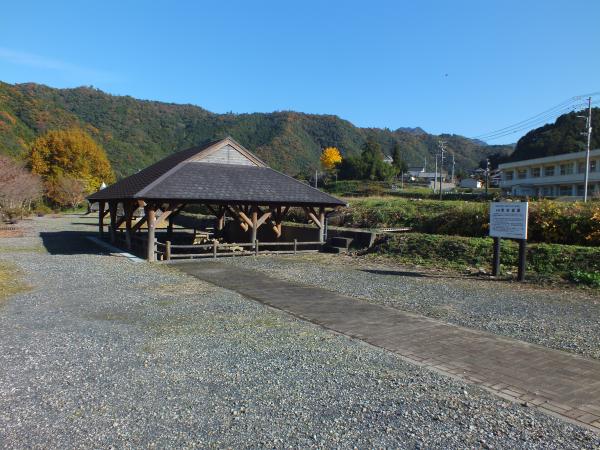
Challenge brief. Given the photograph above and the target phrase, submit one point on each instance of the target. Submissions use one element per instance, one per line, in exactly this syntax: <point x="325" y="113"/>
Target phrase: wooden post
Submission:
<point x="522" y="259"/>
<point x="112" y="208"/>
<point x="128" y="207"/>
<point x="170" y="226"/>
<point x="295" y="245"/>
<point x="151" y="221"/>
<point x="215" y="246"/>
<point x="256" y="247"/>
<point x="496" y="259"/>
<point x="101" y="218"/>
<point x="322" y="225"/>
<point x="254" y="222"/>
<point x="168" y="250"/>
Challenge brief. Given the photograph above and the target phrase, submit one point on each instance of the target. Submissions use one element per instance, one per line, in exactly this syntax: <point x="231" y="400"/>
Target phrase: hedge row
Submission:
<point x="565" y="261"/>
<point x="549" y="221"/>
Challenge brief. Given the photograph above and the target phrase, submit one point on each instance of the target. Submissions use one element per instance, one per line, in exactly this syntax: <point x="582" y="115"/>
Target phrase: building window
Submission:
<point x="522" y="174"/>
<point x="508" y="175"/>
<point x="536" y="172"/>
<point x="581" y="167"/>
<point x="565" y="190"/>
<point x="566" y="169"/>
<point x="547" y="191"/>
<point x="593" y="165"/>
<point x="549" y="171"/>
<point x="580" y="190"/>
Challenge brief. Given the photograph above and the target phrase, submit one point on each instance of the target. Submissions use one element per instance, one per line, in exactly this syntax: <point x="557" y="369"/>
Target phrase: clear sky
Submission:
<point x="465" y="67"/>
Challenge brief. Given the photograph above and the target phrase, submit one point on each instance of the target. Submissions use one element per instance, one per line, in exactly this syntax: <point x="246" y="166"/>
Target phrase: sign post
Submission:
<point x="509" y="220"/>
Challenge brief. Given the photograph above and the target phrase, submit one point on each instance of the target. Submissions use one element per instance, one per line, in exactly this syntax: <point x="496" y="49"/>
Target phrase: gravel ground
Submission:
<point x="563" y="319"/>
<point x="107" y="353"/>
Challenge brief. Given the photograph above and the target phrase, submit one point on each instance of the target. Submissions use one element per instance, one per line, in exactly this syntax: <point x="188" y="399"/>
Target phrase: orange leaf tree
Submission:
<point x="70" y="153"/>
<point x="330" y="158"/>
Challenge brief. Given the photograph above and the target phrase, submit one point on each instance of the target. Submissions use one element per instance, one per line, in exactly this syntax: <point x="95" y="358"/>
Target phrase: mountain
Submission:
<point x="136" y="133"/>
<point x="562" y="136"/>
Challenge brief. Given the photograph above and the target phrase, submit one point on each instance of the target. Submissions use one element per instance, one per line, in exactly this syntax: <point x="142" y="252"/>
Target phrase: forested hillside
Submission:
<point x="136" y="133"/>
<point x="563" y="136"/>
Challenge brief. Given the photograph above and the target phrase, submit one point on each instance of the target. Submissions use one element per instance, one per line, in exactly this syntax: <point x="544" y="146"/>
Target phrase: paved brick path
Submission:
<point x="558" y="383"/>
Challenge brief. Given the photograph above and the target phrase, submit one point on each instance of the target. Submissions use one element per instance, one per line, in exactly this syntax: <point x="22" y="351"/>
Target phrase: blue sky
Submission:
<point x="465" y="67"/>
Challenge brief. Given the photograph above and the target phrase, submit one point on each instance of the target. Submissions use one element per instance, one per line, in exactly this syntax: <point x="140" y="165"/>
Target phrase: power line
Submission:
<point x="533" y="124"/>
<point x="570" y="104"/>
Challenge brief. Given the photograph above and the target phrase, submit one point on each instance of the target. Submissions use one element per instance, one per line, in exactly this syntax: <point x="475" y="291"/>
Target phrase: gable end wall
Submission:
<point x="227" y="155"/>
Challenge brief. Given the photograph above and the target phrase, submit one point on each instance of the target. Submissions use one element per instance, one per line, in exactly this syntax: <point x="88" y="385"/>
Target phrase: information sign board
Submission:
<point x="509" y="219"/>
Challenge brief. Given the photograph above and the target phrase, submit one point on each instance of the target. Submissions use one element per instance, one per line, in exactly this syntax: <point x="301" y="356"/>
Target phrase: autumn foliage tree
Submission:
<point x="19" y="188"/>
<point x="67" y="191"/>
<point x="71" y="154"/>
<point x="330" y="158"/>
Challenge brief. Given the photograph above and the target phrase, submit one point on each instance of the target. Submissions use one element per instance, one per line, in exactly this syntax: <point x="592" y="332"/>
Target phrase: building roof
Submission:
<point x="218" y="172"/>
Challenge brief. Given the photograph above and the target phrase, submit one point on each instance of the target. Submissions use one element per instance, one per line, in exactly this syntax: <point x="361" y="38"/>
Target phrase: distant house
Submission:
<point x="552" y="176"/>
<point x="388" y="159"/>
<point x="471" y="183"/>
<point x="425" y="176"/>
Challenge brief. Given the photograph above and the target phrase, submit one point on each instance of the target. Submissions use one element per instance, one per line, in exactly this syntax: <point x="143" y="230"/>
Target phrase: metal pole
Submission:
<point x="487" y="175"/>
<point x="435" y="175"/>
<point x="522" y="259"/>
<point x="587" y="152"/>
<point x="496" y="259"/>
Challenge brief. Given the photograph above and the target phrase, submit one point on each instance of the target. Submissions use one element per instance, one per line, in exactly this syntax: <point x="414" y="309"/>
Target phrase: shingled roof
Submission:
<point x="218" y="172"/>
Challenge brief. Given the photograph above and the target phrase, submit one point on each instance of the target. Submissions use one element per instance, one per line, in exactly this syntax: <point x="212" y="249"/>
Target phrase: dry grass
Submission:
<point x="11" y="281"/>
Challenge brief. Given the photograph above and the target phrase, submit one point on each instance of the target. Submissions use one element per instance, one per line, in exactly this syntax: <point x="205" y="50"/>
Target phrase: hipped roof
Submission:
<point x="189" y="176"/>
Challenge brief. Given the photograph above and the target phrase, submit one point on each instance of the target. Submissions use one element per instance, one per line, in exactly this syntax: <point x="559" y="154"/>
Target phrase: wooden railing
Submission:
<point x="168" y="251"/>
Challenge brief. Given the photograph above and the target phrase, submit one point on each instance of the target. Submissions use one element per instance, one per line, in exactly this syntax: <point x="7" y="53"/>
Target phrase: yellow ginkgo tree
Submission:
<point x="330" y="158"/>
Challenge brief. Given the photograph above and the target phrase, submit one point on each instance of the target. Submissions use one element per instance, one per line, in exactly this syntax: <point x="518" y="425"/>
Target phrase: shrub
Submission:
<point x="454" y="251"/>
<point x="587" y="278"/>
<point x="549" y="221"/>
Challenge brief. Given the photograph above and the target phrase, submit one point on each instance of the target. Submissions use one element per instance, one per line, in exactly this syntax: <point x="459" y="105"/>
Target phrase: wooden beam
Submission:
<point x="164" y="216"/>
<point x="242" y="215"/>
<point x="313" y="216"/>
<point x="139" y="224"/>
<point x="263" y="218"/>
<point x="235" y="214"/>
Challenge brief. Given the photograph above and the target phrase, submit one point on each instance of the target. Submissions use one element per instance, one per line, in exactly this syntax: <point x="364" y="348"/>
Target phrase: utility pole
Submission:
<point x="588" y="131"/>
<point x="435" y="174"/>
<point x="316" y="177"/>
<point x="453" y="163"/>
<point x="442" y="148"/>
<point x="487" y="175"/>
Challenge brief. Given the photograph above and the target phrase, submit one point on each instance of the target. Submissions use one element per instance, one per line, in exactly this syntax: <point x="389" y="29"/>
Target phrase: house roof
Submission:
<point x="218" y="172"/>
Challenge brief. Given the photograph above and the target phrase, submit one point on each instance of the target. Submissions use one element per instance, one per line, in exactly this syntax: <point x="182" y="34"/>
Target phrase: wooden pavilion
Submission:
<point x="223" y="176"/>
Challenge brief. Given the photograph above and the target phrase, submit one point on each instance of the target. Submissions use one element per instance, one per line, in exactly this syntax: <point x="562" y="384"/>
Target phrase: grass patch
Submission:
<point x="22" y="249"/>
<point x="11" y="281"/>
<point x="577" y="264"/>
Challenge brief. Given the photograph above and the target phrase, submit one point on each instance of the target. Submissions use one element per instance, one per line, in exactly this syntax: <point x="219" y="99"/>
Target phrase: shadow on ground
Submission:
<point x="400" y="273"/>
<point x="70" y="243"/>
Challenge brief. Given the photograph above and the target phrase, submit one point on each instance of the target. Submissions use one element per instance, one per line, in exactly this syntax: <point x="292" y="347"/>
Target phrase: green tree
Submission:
<point x="399" y="163"/>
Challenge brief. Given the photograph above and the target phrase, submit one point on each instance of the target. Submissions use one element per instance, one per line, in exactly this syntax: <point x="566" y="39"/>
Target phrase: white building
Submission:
<point x="471" y="183"/>
<point x="552" y="176"/>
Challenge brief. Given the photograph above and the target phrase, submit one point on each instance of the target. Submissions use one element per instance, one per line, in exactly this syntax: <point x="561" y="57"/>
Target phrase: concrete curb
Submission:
<point x="114" y="251"/>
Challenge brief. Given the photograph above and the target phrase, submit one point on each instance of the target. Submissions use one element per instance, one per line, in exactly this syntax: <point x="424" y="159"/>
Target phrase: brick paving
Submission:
<point x="558" y="383"/>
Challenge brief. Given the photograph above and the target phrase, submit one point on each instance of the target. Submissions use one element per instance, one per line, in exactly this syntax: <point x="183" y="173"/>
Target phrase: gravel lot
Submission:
<point x="104" y="352"/>
<point x="563" y="319"/>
